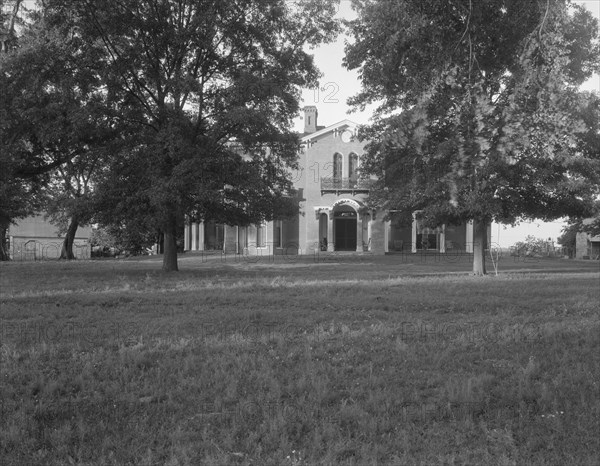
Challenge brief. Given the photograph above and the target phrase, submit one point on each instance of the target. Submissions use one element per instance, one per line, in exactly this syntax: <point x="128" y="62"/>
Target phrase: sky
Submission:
<point x="338" y="84"/>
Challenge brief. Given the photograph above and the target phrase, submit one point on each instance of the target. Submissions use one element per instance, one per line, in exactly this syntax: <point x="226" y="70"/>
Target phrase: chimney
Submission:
<point x="310" y="119"/>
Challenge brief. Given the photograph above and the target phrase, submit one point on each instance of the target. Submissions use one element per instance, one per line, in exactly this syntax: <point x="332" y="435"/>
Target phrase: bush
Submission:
<point x="533" y="247"/>
<point x="112" y="241"/>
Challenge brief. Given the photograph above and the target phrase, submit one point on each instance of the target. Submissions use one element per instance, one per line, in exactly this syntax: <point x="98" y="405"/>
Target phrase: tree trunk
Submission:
<point x="479" y="246"/>
<point x="170" y="247"/>
<point x="4" y="254"/>
<point x="67" y="247"/>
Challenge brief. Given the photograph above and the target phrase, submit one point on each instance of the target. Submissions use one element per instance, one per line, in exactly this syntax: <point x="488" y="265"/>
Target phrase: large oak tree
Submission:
<point x="209" y="90"/>
<point x="479" y="113"/>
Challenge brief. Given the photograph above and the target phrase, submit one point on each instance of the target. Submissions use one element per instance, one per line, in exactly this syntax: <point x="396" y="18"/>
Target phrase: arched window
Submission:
<point x="353" y="167"/>
<point x="337" y="166"/>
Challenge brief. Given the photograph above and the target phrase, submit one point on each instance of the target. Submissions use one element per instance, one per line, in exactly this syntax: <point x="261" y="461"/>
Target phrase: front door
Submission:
<point x="345" y="234"/>
<point x="427" y="241"/>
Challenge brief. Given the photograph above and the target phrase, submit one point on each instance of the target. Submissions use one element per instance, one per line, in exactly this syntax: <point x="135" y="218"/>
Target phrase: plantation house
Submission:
<point x="333" y="215"/>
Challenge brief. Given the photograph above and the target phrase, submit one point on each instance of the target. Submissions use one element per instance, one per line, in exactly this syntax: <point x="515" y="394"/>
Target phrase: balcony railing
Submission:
<point x="345" y="184"/>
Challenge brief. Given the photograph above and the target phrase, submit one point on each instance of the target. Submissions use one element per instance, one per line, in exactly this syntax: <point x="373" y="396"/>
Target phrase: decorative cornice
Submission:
<point x="335" y="128"/>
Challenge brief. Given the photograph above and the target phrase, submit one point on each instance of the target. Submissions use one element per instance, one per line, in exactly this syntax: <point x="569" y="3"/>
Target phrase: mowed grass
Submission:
<point x="344" y="360"/>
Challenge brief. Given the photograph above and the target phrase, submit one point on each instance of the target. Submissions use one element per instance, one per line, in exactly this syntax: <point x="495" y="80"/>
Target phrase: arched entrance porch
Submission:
<point x="343" y="226"/>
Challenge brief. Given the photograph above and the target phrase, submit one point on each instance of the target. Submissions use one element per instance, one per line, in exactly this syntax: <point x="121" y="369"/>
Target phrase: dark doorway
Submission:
<point x="323" y="240"/>
<point x="427" y="241"/>
<point x="214" y="235"/>
<point x="345" y="233"/>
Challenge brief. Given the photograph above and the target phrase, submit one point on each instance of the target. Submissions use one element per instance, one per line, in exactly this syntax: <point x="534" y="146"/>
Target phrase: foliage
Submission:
<point x="592" y="227"/>
<point x="588" y="144"/>
<point x="479" y="115"/>
<point x="129" y="240"/>
<point x="568" y="237"/>
<point x="532" y="246"/>
<point x="101" y="239"/>
<point x="18" y="197"/>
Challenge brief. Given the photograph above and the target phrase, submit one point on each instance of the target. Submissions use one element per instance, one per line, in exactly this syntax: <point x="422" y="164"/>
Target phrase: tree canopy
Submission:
<point x="479" y="116"/>
<point x="55" y="115"/>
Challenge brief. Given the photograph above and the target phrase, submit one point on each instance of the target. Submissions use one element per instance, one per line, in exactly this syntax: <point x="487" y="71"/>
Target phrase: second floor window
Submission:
<point x="337" y="166"/>
<point x="352" y="166"/>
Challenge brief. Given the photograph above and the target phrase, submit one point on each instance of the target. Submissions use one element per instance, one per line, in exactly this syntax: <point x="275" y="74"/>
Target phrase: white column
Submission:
<point x="237" y="239"/>
<point x="414" y="233"/>
<point x="369" y="227"/>
<point x="201" y="236"/>
<point x="193" y="230"/>
<point x="386" y="236"/>
<point x="443" y="238"/>
<point x="469" y="237"/>
<point x="359" y="235"/>
<point x="330" y="238"/>
<point x="186" y="236"/>
<point x="268" y="226"/>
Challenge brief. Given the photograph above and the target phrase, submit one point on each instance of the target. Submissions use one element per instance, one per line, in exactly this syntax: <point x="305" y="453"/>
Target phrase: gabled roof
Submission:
<point x="328" y="129"/>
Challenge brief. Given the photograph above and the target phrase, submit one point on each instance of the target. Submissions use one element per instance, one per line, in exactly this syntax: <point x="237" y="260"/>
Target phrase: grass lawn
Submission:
<point x="330" y="360"/>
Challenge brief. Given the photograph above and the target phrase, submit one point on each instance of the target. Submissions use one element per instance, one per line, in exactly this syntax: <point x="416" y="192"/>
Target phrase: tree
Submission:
<point x="568" y="238"/>
<point x="593" y="227"/>
<point x="588" y="144"/>
<point x="479" y="113"/>
<point x="124" y="239"/>
<point x="53" y="122"/>
<point x="589" y="225"/>
<point x="532" y="246"/>
<point x="17" y="196"/>
<point x="22" y="179"/>
<point x="70" y="202"/>
<point x="209" y="89"/>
